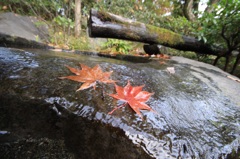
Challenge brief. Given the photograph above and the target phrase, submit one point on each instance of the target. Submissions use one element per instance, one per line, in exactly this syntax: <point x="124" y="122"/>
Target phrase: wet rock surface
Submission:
<point x="198" y="109"/>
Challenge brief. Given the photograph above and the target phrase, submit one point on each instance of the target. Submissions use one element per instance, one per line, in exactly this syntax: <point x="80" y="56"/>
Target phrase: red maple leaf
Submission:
<point x="133" y="96"/>
<point x="89" y="76"/>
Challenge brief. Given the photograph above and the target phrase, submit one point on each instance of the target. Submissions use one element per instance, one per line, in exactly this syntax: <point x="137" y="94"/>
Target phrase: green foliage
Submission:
<point x="57" y="38"/>
<point x="146" y="12"/>
<point x="63" y="27"/>
<point x="70" y="42"/>
<point x="221" y="27"/>
<point x="45" y="9"/>
<point x="154" y="13"/>
<point x="120" y="46"/>
<point x="178" y="25"/>
<point x="64" y="21"/>
<point x="178" y="8"/>
<point x="80" y="43"/>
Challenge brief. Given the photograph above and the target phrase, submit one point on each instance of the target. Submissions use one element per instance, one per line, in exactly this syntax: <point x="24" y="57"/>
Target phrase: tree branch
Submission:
<point x="107" y="25"/>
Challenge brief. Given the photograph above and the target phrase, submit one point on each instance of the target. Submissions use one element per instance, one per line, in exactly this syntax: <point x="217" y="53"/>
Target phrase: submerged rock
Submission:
<point x="198" y="109"/>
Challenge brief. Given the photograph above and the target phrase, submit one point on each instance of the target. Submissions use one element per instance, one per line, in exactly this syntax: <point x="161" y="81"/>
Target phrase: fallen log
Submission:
<point x="107" y="25"/>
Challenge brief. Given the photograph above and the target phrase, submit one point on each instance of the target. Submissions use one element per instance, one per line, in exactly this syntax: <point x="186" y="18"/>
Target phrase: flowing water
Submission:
<point x="196" y="116"/>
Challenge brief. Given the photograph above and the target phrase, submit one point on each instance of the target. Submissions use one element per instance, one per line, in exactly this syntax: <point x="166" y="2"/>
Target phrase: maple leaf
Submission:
<point x="89" y="76"/>
<point x="133" y="96"/>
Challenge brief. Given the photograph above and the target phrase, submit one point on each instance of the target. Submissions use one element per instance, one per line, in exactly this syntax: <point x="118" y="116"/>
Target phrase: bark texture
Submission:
<point x="188" y="10"/>
<point x="77" y="17"/>
<point x="107" y="25"/>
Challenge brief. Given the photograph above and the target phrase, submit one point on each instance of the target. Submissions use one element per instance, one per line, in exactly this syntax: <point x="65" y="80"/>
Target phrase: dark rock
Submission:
<point x="154" y="49"/>
<point x="198" y="109"/>
<point x="151" y="49"/>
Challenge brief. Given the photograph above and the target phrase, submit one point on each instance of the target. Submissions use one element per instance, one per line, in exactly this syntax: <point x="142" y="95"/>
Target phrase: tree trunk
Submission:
<point x="188" y="10"/>
<point x="77" y="17"/>
<point x="236" y="62"/>
<point x="107" y="25"/>
<point x="226" y="62"/>
<point x="216" y="60"/>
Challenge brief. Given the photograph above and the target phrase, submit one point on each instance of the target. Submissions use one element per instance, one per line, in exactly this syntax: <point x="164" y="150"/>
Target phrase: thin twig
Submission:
<point x="232" y="78"/>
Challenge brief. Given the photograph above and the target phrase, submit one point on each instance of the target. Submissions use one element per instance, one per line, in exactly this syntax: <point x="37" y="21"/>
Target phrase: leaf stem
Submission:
<point x="122" y="105"/>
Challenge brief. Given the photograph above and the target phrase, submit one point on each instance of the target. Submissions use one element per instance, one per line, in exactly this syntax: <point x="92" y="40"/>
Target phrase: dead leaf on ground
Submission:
<point x="89" y="76"/>
<point x="133" y="96"/>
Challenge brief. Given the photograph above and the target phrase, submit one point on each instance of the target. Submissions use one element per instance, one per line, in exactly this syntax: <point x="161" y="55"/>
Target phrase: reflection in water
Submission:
<point x="193" y="119"/>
